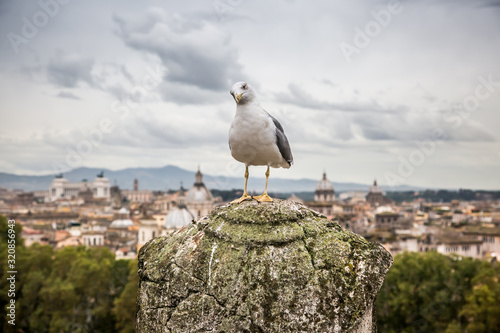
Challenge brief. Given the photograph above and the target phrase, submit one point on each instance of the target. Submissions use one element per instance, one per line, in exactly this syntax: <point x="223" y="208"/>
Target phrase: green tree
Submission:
<point x="69" y="290"/>
<point x="124" y="308"/>
<point x="89" y="277"/>
<point x="35" y="267"/>
<point x="482" y="310"/>
<point x="74" y="289"/>
<point x="120" y="275"/>
<point x="424" y="292"/>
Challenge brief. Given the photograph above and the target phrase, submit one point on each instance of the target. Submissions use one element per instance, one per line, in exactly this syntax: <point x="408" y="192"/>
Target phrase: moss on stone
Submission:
<point x="272" y="267"/>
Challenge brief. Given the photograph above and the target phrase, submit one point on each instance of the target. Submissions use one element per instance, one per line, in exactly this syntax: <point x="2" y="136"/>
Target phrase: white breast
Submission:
<point x="252" y="138"/>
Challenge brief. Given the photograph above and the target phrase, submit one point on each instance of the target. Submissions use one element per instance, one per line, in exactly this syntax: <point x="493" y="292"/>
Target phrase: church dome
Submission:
<point x="324" y="184"/>
<point x="324" y="191"/>
<point x="121" y="224"/>
<point x="124" y="211"/>
<point x="179" y="217"/>
<point x="374" y="188"/>
<point x="199" y="192"/>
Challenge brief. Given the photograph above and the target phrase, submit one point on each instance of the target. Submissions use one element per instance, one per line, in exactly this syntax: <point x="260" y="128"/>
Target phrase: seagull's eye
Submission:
<point x="244" y="86"/>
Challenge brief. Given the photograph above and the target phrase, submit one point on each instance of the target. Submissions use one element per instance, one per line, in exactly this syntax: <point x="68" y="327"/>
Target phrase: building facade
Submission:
<point x="148" y="229"/>
<point x="138" y="196"/>
<point x="386" y="220"/>
<point x="61" y="188"/>
<point x="490" y="238"/>
<point x="93" y="239"/>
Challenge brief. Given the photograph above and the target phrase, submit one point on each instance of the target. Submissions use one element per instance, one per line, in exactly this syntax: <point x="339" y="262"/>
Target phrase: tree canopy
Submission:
<point x="431" y="292"/>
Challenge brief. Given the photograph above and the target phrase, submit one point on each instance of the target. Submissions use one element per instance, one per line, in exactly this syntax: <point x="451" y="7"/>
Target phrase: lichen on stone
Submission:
<point x="260" y="267"/>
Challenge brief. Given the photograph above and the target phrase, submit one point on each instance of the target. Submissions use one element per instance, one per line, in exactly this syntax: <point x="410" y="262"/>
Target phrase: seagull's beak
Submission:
<point x="237" y="97"/>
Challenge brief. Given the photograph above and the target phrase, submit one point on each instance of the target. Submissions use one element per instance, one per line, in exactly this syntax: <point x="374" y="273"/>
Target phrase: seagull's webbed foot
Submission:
<point x="245" y="195"/>
<point x="263" y="198"/>
<point x="240" y="200"/>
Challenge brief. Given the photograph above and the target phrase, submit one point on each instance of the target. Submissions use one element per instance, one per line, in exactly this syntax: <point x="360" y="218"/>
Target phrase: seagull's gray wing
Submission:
<point x="282" y="141"/>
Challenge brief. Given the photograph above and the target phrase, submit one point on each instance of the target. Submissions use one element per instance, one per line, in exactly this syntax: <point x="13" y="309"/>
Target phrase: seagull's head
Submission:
<point x="242" y="93"/>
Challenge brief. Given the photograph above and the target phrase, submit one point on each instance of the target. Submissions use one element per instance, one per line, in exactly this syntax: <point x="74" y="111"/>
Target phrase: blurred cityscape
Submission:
<point x="97" y="214"/>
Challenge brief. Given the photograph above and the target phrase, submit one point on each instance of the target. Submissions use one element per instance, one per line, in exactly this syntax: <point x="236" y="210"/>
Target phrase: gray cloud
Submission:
<point x="300" y="97"/>
<point x="478" y="3"/>
<point x="426" y="95"/>
<point x="471" y="132"/>
<point x="115" y="79"/>
<point x="328" y="82"/>
<point x="195" y="53"/>
<point x="490" y="3"/>
<point x="67" y="94"/>
<point x="220" y="16"/>
<point x="189" y="94"/>
<point x="419" y="126"/>
<point x="68" y="70"/>
<point x="402" y="123"/>
<point x="177" y="130"/>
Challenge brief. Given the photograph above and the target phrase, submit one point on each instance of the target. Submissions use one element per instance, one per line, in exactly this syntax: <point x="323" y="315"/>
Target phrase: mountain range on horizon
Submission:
<point x="171" y="177"/>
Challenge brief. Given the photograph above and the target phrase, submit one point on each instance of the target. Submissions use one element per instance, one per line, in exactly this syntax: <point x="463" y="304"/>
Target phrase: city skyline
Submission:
<point x="404" y="92"/>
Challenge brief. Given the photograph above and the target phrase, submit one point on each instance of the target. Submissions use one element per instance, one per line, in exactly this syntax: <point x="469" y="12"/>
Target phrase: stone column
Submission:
<point x="260" y="267"/>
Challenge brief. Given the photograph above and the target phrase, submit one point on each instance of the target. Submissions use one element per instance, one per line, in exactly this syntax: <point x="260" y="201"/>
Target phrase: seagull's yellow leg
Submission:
<point x="265" y="197"/>
<point x="245" y="195"/>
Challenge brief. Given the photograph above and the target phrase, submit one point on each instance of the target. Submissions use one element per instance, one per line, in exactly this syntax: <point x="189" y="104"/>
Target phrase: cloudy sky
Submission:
<point x="405" y="92"/>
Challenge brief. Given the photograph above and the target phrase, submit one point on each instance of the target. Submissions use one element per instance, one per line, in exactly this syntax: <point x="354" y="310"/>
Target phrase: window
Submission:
<point x="154" y="234"/>
<point x="143" y="236"/>
<point x="94" y="242"/>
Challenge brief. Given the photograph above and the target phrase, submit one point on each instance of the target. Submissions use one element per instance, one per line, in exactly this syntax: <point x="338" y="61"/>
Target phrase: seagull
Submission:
<point x="256" y="137"/>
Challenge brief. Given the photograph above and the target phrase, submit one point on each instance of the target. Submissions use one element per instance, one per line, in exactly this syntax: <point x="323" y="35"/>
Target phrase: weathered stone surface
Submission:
<point x="260" y="267"/>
